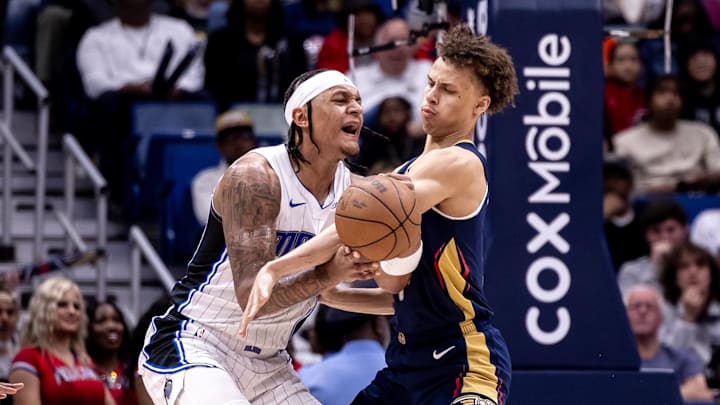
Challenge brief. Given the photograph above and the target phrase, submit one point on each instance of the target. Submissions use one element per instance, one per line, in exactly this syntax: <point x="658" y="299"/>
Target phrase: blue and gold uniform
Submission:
<point x="444" y="346"/>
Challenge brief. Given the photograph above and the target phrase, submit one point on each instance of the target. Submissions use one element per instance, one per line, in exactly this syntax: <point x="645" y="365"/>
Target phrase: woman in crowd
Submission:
<point x="691" y="284"/>
<point x="53" y="364"/>
<point x="108" y="344"/>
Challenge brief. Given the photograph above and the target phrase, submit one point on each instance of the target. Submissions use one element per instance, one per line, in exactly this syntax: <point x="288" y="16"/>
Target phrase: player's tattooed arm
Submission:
<point x="248" y="200"/>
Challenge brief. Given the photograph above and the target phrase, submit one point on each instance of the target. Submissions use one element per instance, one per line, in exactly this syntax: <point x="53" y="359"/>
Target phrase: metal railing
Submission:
<point x="11" y="64"/>
<point x="74" y="156"/>
<point x="141" y="247"/>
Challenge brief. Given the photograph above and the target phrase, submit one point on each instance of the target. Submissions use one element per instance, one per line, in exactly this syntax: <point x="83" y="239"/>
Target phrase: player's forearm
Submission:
<point x="372" y="301"/>
<point x="297" y="288"/>
<point x="314" y="252"/>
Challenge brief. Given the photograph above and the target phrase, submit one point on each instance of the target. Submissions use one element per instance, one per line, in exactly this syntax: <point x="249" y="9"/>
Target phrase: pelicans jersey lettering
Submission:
<point x="206" y="315"/>
<point x="444" y="346"/>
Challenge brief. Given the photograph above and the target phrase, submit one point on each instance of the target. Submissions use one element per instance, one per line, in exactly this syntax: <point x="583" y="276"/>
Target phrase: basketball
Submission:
<point x="377" y="217"/>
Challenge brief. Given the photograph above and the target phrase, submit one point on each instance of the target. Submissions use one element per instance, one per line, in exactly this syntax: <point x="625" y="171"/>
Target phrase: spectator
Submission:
<point x="348" y="339"/>
<point x="644" y="312"/>
<point x="334" y="51"/>
<point x="194" y="12"/>
<point x="701" y="96"/>
<point x="394" y="73"/>
<point x="691" y="283"/>
<point x="623" y="231"/>
<point x="234" y="137"/>
<point x="307" y="18"/>
<point x="668" y="154"/>
<point x="624" y="98"/>
<point x="393" y="117"/>
<point x="53" y="363"/>
<point x="9" y="340"/>
<point x="118" y="61"/>
<point x="251" y="59"/>
<point x="108" y="344"/>
<point x="664" y="224"/>
<point x="636" y="13"/>
<point x="705" y="231"/>
<point x="123" y="54"/>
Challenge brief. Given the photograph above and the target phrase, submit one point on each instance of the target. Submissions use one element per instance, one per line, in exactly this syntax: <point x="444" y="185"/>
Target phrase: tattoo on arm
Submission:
<point x="249" y="201"/>
<point x="296" y="288"/>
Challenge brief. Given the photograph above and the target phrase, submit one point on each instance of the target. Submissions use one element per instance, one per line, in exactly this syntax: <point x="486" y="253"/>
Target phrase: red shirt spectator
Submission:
<point x="61" y="383"/>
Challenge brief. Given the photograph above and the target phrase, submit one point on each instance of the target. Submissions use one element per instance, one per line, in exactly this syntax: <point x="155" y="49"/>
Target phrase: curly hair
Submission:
<point x="671" y="266"/>
<point x="39" y="330"/>
<point x="491" y="64"/>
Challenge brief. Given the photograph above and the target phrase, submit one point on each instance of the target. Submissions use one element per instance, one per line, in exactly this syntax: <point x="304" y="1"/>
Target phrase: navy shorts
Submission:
<point x="432" y="370"/>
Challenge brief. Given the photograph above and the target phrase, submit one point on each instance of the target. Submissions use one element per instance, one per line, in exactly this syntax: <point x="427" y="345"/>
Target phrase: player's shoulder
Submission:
<point x="251" y="171"/>
<point x="451" y="158"/>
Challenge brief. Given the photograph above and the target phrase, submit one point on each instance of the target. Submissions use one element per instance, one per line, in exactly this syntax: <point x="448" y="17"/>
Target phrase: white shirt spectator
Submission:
<point x="656" y="159"/>
<point x="113" y="55"/>
<point x="705" y="231"/>
<point x="203" y="185"/>
<point x="375" y="86"/>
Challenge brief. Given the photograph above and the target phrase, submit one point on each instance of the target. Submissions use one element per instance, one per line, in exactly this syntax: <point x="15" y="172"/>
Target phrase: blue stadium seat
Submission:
<point x="150" y="120"/>
<point x="181" y="161"/>
<point x="693" y="204"/>
<point x="268" y="122"/>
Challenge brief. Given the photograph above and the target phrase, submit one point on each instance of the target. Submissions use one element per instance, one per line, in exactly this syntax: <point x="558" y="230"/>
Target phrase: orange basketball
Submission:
<point x="377" y="217"/>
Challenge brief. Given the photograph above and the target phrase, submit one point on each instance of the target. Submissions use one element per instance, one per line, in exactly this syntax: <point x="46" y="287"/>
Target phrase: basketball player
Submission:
<point x="444" y="349"/>
<point x="267" y="203"/>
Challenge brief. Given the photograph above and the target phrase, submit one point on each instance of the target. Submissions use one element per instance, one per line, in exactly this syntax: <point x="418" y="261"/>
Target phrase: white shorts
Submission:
<point x="215" y="386"/>
<point x="215" y="375"/>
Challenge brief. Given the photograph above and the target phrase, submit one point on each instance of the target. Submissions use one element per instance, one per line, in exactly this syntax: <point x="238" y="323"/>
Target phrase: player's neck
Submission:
<point x="317" y="177"/>
<point x="439" y="142"/>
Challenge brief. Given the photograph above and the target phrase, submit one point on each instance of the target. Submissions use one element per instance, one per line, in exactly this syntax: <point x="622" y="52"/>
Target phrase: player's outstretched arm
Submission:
<point x="314" y="252"/>
<point x="372" y="301"/>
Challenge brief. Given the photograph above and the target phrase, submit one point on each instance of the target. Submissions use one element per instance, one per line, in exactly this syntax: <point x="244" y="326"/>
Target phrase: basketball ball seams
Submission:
<point x="366" y="220"/>
<point x="391" y="211"/>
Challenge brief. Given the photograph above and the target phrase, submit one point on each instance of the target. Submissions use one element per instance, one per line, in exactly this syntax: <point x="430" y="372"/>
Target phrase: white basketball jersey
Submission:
<point x="207" y="294"/>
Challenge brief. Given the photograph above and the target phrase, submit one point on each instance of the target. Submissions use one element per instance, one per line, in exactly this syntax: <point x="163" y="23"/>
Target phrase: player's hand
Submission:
<point x="348" y="266"/>
<point x="9" y="389"/>
<point x="259" y="296"/>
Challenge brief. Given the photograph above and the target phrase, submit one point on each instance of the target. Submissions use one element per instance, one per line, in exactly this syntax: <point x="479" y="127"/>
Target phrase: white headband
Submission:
<point x="310" y="88"/>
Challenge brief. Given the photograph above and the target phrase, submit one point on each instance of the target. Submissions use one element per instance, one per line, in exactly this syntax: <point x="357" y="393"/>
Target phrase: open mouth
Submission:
<point x="350" y="129"/>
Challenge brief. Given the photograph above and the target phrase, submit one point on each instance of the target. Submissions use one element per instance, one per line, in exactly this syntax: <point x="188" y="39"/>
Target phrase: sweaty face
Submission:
<point x="644" y="313"/>
<point x="336" y="121"/>
<point x="625" y="64"/>
<point x="451" y="97"/>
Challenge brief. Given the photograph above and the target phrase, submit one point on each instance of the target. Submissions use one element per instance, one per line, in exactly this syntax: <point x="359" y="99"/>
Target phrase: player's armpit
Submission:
<point x="372" y="301"/>
<point x="247" y="198"/>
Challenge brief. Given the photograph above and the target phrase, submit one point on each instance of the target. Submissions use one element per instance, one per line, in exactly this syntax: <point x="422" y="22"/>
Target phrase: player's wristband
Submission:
<point x="402" y="265"/>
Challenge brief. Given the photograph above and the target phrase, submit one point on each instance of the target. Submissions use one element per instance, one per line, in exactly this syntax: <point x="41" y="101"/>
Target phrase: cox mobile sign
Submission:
<point x="549" y="277"/>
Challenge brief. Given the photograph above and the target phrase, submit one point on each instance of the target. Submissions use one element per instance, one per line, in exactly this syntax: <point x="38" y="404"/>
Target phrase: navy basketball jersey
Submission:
<point x="447" y="286"/>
